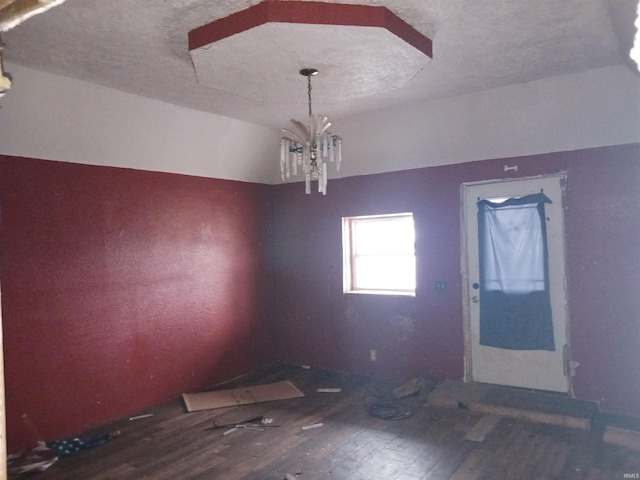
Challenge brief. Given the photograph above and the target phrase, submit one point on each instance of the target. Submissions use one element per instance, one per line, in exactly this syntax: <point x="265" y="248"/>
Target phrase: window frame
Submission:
<point x="349" y="255"/>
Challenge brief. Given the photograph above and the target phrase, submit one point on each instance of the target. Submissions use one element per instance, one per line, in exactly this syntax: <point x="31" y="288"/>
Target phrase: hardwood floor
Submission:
<point x="351" y="443"/>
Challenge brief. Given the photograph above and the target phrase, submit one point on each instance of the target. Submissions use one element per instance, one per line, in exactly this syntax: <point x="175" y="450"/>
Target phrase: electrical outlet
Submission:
<point x="373" y="355"/>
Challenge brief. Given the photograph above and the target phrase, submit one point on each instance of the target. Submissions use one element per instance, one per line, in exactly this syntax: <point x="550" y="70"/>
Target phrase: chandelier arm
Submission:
<point x="294" y="135"/>
<point x="325" y="124"/>
<point x="303" y="132"/>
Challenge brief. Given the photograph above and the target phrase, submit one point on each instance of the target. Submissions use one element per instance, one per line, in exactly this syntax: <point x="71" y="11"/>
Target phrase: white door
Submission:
<point x="542" y="369"/>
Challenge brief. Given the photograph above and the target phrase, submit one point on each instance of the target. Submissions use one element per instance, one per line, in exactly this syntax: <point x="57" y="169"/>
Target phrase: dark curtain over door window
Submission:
<point x="515" y="305"/>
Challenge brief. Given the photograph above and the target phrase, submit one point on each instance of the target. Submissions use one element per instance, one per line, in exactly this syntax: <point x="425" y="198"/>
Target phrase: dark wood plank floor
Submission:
<point x="352" y="444"/>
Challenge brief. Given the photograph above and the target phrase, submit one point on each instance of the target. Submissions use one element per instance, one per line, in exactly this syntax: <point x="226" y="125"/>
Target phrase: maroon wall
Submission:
<point x="122" y="289"/>
<point x="317" y="324"/>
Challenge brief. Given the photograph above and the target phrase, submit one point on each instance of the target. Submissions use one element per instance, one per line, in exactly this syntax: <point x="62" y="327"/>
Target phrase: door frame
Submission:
<point x="466" y="290"/>
<point x="3" y="419"/>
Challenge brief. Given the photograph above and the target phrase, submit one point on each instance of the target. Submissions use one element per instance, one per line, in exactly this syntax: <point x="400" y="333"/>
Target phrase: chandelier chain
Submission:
<point x="309" y="93"/>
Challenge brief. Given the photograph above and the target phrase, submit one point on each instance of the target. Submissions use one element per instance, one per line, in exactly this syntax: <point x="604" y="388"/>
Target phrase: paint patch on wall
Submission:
<point x="405" y="327"/>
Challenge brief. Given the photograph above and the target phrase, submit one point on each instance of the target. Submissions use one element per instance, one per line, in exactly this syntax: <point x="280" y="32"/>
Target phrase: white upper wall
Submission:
<point x="570" y="112"/>
<point x="57" y="118"/>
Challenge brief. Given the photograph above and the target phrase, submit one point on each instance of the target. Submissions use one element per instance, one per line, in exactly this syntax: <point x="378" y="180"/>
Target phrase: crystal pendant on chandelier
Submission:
<point x="309" y="147"/>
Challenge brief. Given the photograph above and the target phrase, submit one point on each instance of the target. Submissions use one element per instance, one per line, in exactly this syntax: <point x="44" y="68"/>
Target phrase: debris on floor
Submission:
<point x="621" y="430"/>
<point x="240" y="396"/>
<point x="422" y="385"/>
<point x="315" y="425"/>
<point x="34" y="461"/>
<point x="46" y="454"/>
<point x="329" y="390"/>
<point x="380" y="401"/>
<point x="65" y="448"/>
<point x="221" y="448"/>
<point x="258" y="424"/>
<point x="140" y="417"/>
<point x="388" y="409"/>
<point x="482" y="428"/>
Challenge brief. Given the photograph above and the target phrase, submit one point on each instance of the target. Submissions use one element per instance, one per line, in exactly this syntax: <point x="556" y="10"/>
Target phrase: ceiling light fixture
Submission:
<point x="309" y="147"/>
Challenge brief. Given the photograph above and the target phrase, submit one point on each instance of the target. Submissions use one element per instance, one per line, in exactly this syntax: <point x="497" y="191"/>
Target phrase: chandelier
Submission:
<point x="308" y="148"/>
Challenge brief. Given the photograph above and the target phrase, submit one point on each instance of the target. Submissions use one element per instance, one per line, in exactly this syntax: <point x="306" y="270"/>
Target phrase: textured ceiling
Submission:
<point x="142" y="48"/>
<point x="353" y="62"/>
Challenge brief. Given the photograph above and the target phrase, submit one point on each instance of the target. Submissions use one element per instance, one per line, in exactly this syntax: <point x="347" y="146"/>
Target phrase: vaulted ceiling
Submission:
<point x="142" y="47"/>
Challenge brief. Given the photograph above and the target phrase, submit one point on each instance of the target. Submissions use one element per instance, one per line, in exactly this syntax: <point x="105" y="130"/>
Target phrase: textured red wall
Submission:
<point x="122" y="289"/>
<point x="317" y="324"/>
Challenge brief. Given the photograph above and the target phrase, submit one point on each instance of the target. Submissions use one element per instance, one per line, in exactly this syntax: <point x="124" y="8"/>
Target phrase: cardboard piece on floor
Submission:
<point x="241" y="396"/>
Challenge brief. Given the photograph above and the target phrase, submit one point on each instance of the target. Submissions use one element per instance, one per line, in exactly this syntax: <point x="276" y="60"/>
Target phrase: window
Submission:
<point x="379" y="254"/>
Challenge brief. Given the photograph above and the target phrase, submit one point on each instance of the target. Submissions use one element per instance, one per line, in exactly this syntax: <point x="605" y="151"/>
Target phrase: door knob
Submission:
<point x="475" y="299"/>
